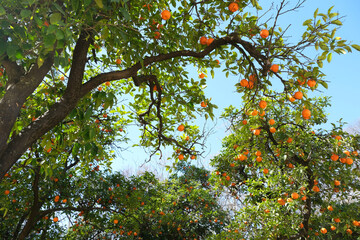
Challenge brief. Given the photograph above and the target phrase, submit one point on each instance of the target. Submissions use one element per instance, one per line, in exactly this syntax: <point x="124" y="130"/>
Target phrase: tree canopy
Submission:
<point x="75" y="73"/>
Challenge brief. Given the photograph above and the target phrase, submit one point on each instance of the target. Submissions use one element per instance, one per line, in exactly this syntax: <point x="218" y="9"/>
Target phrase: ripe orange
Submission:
<point x="349" y="161"/>
<point x="181" y="157"/>
<point x="272" y="130"/>
<point x="244" y="83"/>
<point x="233" y="7"/>
<point x="281" y="201"/>
<point x="100" y="88"/>
<point x="323" y="230"/>
<point x="244" y="122"/>
<point x="332" y="227"/>
<point x="266" y="171"/>
<point x="209" y="41"/>
<point x="298" y="95"/>
<point x="181" y="127"/>
<point x="274" y="68"/>
<point x="108" y="83"/>
<point x="337" y="220"/>
<point x="251" y="85"/>
<point x="355" y="223"/>
<point x="311" y="83"/>
<point x="316" y="189"/>
<point x="301" y="225"/>
<point x="271" y="121"/>
<point x="201" y="75"/>
<point x="330" y="208"/>
<point x="116" y="221"/>
<point x="56" y="219"/>
<point x="165" y="15"/>
<point x="348" y="231"/>
<point x="7" y="192"/>
<point x="262" y="104"/>
<point x="256" y="131"/>
<point x="306" y="114"/>
<point x="203" y="104"/>
<point x="334" y="157"/>
<point x="118" y="61"/>
<point x="336" y="183"/>
<point x="289" y="140"/>
<point x="258" y="153"/>
<point x="259" y="159"/>
<point x="62" y="78"/>
<point x="203" y="40"/>
<point x="291" y="99"/>
<point x="295" y="195"/>
<point x="157" y="35"/>
<point x="264" y="33"/>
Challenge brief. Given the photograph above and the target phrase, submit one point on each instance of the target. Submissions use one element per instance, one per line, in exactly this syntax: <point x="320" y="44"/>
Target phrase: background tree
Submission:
<point x="294" y="180"/>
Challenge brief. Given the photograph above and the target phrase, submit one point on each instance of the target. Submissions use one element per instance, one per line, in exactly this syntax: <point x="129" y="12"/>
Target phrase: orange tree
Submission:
<point x="291" y="180"/>
<point x="72" y="47"/>
<point x="88" y="200"/>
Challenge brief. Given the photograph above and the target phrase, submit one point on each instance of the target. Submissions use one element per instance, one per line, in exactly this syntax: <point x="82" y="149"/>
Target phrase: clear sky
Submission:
<point x="342" y="74"/>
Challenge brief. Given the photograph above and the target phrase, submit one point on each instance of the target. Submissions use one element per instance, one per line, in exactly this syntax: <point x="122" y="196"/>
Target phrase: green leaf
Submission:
<point x="337" y="22"/>
<point x="25" y="13"/>
<point x="316" y="12"/>
<point x="324" y="84"/>
<point x="357" y="47"/>
<point x="99" y="3"/>
<point x="320" y="63"/>
<point x="55" y="18"/>
<point x="329" y="57"/>
<point x="59" y="34"/>
<point x="2" y="11"/>
<point x="125" y="13"/>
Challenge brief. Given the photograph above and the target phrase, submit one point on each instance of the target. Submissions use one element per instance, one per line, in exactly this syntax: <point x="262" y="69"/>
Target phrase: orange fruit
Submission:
<point x="295" y="195"/>
<point x="262" y="104"/>
<point x="250" y="85"/>
<point x="334" y="157"/>
<point x="355" y="223"/>
<point x="203" y="40"/>
<point x="100" y="88"/>
<point x="291" y="99"/>
<point x="264" y="33"/>
<point x="281" y="201"/>
<point x="181" y="157"/>
<point x="271" y="121"/>
<point x="306" y="114"/>
<point x="203" y="104"/>
<point x="298" y="95"/>
<point x="62" y="78"/>
<point x="301" y="82"/>
<point x="254" y="113"/>
<point x="181" y="127"/>
<point x="256" y="131"/>
<point x="337" y="220"/>
<point x="301" y="225"/>
<point x="323" y="230"/>
<point x="349" y="161"/>
<point x="108" y="83"/>
<point x="348" y="231"/>
<point x="289" y="140"/>
<point x="201" y="75"/>
<point x="244" y="122"/>
<point x="336" y="182"/>
<point x="165" y="15"/>
<point x="244" y="83"/>
<point x="316" y="189"/>
<point x="233" y="7"/>
<point x="272" y="130"/>
<point x="259" y="159"/>
<point x="6" y="192"/>
<point x="332" y="227"/>
<point x="116" y="221"/>
<point x="330" y="208"/>
<point x="118" y="61"/>
<point x="311" y="83"/>
<point x="274" y="68"/>
<point x="303" y="198"/>
<point x="258" y="153"/>
<point x="56" y="219"/>
<point x="157" y="35"/>
<point x="209" y="41"/>
<point x="266" y="171"/>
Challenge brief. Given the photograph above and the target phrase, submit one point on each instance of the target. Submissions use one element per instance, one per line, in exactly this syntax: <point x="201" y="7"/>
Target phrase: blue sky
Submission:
<point x="342" y="74"/>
